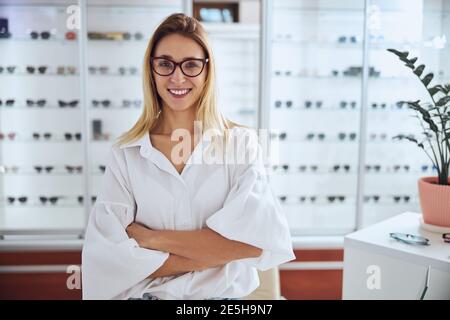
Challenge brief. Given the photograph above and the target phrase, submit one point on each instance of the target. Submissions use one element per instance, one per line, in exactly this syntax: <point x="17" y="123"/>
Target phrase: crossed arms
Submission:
<point x="190" y="250"/>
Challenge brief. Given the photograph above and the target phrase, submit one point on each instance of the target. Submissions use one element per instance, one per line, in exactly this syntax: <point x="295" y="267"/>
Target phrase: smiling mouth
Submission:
<point x="179" y="93"/>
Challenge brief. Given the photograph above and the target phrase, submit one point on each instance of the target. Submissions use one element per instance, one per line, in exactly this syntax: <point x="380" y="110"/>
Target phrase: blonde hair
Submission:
<point x="207" y="111"/>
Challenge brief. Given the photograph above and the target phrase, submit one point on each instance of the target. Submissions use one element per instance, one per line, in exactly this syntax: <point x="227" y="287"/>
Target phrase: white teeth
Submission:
<point x="179" y="92"/>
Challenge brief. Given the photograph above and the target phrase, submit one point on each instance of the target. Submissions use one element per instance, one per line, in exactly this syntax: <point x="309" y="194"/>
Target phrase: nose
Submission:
<point x="177" y="75"/>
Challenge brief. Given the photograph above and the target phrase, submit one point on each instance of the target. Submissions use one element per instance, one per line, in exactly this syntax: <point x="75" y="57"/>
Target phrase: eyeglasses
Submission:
<point x="375" y="198"/>
<point x="39" y="103"/>
<point x="40" y="168"/>
<point x="303" y="199"/>
<point x="286" y="73"/>
<point x="71" y="104"/>
<point x="351" y="104"/>
<point x="105" y="103"/>
<point x="351" y="39"/>
<point x="381" y="105"/>
<point x="309" y="104"/>
<point x="426" y="168"/>
<point x="124" y="70"/>
<point x="8" y="103"/>
<point x="62" y="70"/>
<point x="399" y="104"/>
<point x="189" y="67"/>
<point x="409" y="238"/>
<point x="7" y="169"/>
<point x="398" y="167"/>
<point x="127" y="103"/>
<point x="397" y="199"/>
<point x="9" y="69"/>
<point x="76" y="169"/>
<point x="285" y="167"/>
<point x="52" y="200"/>
<point x="381" y="136"/>
<point x="278" y="104"/>
<point x="22" y="199"/>
<point x="69" y="136"/>
<point x="376" y="167"/>
<point x="11" y="136"/>
<point x="281" y="136"/>
<point x="44" y="35"/>
<point x="41" y="69"/>
<point x="343" y="136"/>
<point x="128" y="36"/>
<point x="303" y="168"/>
<point x="100" y="70"/>
<point x="311" y="136"/>
<point x="345" y="167"/>
<point x="333" y="198"/>
<point x="81" y="199"/>
<point x="46" y="135"/>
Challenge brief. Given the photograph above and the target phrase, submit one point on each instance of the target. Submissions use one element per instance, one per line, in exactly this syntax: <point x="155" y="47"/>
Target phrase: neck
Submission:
<point x="171" y="120"/>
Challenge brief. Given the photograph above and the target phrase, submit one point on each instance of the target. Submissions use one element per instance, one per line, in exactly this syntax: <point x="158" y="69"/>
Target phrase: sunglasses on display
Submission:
<point x="66" y="70"/>
<point x="8" y="69"/>
<point x="51" y="200"/>
<point x="74" y="169"/>
<point x="71" y="104"/>
<point x="43" y="35"/>
<point x="8" y="103"/>
<point x="46" y="135"/>
<point x="21" y="200"/>
<point x="128" y="103"/>
<point x="69" y="136"/>
<point x="40" y="69"/>
<point x="104" y="103"/>
<point x="11" y="136"/>
<point x="39" y="169"/>
<point x="39" y="103"/>
<point x="9" y="169"/>
<point x="127" y="70"/>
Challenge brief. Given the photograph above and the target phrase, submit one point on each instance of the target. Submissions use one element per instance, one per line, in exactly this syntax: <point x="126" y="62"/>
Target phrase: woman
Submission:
<point x="166" y="224"/>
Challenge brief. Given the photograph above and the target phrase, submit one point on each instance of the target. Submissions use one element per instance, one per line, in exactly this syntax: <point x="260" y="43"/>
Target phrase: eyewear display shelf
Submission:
<point x="65" y="96"/>
<point x="333" y="105"/>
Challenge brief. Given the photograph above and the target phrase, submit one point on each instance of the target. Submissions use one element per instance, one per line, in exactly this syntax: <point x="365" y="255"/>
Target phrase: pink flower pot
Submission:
<point x="434" y="201"/>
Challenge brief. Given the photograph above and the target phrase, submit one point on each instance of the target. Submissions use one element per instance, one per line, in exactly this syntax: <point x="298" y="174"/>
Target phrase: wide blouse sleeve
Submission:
<point x="251" y="213"/>
<point x="111" y="261"/>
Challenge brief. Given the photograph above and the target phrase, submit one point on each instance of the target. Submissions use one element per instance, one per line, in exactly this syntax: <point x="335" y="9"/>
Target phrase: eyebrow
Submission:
<point x="170" y="57"/>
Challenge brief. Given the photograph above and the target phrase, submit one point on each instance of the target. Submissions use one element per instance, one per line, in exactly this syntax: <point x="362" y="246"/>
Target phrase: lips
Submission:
<point x="179" y="93"/>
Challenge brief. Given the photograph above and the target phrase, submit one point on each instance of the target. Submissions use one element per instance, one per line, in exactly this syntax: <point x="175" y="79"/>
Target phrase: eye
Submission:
<point x="164" y="63"/>
<point x="193" y="64"/>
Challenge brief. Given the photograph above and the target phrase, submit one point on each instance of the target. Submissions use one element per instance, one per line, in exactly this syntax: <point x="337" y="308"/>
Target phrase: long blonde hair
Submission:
<point x="207" y="111"/>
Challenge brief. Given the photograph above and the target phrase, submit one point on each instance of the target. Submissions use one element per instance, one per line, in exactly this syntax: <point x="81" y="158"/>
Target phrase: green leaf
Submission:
<point x="419" y="70"/>
<point x="447" y="88"/>
<point x="427" y="79"/>
<point x="435" y="90"/>
<point x="413" y="60"/>
<point x="410" y="65"/>
<point x="443" y="101"/>
<point x="399" y="53"/>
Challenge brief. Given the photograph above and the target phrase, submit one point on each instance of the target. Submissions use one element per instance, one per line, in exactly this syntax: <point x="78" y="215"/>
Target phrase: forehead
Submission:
<point x="178" y="47"/>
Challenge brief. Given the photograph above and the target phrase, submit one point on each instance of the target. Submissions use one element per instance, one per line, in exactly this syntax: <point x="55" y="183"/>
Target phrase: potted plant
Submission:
<point x="434" y="118"/>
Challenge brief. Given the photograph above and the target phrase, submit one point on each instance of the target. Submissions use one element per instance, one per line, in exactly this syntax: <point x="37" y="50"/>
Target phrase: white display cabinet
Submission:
<point x="331" y="93"/>
<point x="67" y="95"/>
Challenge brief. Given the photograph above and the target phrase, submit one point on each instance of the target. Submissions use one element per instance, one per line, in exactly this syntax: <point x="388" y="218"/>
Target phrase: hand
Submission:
<point x="141" y="234"/>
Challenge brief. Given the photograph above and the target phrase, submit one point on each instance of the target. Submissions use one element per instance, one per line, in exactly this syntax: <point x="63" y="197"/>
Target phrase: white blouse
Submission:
<point x="140" y="184"/>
